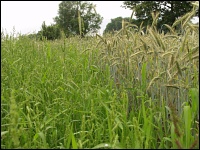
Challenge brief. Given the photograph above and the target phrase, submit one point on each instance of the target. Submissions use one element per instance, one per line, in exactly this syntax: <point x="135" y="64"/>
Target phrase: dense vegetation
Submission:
<point x="169" y="11"/>
<point x="78" y="18"/>
<point x="166" y="12"/>
<point x="115" y="24"/>
<point x="133" y="89"/>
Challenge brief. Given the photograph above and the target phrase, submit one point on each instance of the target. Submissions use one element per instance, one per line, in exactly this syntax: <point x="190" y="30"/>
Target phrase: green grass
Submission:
<point x="122" y="91"/>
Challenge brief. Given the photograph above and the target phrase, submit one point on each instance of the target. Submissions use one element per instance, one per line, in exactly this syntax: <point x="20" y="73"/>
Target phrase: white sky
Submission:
<point x="28" y="16"/>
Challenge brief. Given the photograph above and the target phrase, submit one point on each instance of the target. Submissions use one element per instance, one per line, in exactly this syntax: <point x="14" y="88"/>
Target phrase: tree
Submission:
<point x="169" y="10"/>
<point x="116" y="24"/>
<point x="51" y="32"/>
<point x="72" y="24"/>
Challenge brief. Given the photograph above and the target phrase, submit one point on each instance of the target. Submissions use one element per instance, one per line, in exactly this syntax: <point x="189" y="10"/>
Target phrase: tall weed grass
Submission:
<point x="128" y="90"/>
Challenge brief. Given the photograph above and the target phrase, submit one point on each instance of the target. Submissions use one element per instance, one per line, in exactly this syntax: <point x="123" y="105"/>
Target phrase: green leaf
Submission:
<point x="188" y="121"/>
<point x="74" y="143"/>
<point x="194" y="95"/>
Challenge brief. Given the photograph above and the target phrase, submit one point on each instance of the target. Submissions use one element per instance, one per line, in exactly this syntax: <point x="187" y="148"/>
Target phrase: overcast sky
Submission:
<point x="28" y="16"/>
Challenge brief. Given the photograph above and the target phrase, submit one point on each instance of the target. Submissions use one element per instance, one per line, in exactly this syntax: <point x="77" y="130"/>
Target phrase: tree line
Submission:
<point x="81" y="18"/>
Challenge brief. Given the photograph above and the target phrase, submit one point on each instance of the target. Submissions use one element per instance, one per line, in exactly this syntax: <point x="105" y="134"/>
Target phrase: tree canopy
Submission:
<point x="75" y="14"/>
<point x="51" y="32"/>
<point x="116" y="24"/>
<point x="169" y="10"/>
